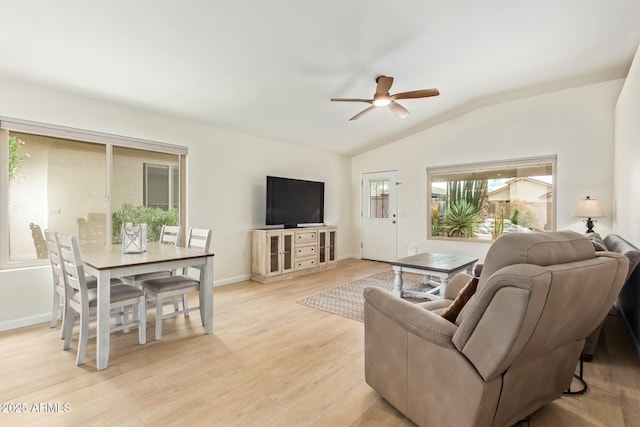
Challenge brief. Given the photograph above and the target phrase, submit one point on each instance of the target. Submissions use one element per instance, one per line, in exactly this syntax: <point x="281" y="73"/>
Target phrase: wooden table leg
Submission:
<point x="206" y="295"/>
<point x="444" y="280"/>
<point x="397" y="282"/>
<point x="104" y="318"/>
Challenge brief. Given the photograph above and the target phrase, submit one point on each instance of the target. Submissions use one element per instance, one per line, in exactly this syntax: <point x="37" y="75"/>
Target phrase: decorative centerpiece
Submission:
<point x="134" y="239"/>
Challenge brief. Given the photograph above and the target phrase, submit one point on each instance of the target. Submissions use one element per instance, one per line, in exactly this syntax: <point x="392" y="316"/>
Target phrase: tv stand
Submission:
<point x="279" y="254"/>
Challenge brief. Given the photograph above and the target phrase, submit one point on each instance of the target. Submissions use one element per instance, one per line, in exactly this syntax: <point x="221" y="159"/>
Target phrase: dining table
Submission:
<point x="108" y="261"/>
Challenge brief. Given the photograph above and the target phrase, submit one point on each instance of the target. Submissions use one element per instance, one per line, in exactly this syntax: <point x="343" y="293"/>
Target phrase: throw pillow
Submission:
<point x="596" y="240"/>
<point x="451" y="313"/>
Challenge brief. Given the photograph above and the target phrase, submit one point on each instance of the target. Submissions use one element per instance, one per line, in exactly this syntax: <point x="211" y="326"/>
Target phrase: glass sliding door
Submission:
<point x="54" y="184"/>
<point x="145" y="189"/>
<point x="84" y="184"/>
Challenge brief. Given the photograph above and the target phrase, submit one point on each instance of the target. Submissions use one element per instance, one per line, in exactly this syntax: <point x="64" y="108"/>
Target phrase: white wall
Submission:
<point x="227" y="169"/>
<point x="225" y="186"/>
<point x="627" y="157"/>
<point x="576" y="125"/>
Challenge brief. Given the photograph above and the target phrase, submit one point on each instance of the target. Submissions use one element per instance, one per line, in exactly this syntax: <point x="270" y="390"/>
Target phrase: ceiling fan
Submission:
<point x="382" y="98"/>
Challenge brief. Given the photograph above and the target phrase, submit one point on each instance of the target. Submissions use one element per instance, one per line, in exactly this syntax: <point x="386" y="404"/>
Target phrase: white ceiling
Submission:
<point x="269" y="68"/>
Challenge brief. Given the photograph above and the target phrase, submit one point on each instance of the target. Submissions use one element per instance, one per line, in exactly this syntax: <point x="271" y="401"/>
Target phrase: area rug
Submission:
<point x="347" y="300"/>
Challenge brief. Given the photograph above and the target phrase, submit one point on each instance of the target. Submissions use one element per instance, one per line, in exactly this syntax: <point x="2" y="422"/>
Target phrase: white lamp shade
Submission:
<point x="588" y="208"/>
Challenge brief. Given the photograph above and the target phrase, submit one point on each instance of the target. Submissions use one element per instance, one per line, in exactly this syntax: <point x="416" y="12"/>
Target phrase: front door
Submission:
<point x="379" y="227"/>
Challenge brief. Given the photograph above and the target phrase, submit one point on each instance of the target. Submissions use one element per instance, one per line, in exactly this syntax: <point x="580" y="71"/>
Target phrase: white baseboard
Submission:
<point x="46" y="317"/>
<point x="231" y="280"/>
<point x="24" y="321"/>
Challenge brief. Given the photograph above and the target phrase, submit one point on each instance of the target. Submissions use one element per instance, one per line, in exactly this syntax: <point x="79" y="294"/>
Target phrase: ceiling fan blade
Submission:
<point x="398" y="110"/>
<point x="357" y="116"/>
<point x="352" y="100"/>
<point x="384" y="84"/>
<point x="416" y="94"/>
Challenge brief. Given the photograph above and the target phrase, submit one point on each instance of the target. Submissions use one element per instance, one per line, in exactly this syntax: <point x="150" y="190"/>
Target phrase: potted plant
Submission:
<point x="15" y="144"/>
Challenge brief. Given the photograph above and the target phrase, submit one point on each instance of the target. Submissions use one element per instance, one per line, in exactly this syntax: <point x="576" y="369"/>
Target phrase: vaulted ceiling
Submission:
<point x="269" y="68"/>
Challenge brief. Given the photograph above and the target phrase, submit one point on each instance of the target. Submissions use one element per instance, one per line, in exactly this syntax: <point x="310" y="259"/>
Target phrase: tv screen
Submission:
<point x="291" y="202"/>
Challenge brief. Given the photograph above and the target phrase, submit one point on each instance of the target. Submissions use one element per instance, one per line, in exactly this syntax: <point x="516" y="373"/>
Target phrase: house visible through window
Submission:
<point x="161" y="186"/>
<point x="483" y="201"/>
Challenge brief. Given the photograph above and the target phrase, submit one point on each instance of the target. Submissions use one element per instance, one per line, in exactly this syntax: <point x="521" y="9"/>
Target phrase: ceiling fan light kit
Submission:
<point x="382" y="98"/>
<point x="381" y="101"/>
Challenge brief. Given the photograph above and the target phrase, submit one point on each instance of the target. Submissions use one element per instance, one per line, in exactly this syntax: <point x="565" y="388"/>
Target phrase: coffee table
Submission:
<point x="431" y="265"/>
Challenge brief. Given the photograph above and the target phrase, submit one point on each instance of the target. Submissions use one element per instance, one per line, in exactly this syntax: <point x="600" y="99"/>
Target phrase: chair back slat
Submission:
<point x="199" y="238"/>
<point x="170" y="234"/>
<point x="54" y="257"/>
<point x="71" y="263"/>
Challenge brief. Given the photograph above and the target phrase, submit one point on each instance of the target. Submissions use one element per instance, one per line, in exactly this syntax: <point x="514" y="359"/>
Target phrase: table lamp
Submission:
<point x="588" y="208"/>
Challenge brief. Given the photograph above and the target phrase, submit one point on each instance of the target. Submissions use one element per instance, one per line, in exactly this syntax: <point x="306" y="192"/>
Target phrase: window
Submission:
<point x="379" y="199"/>
<point x="80" y="183"/>
<point x="161" y="186"/>
<point x="483" y="201"/>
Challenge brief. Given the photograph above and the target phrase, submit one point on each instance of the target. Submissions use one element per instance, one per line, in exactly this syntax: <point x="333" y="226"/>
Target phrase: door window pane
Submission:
<point x="379" y="199"/>
<point x="287" y="258"/>
<point x="274" y="254"/>
<point x="322" y="245"/>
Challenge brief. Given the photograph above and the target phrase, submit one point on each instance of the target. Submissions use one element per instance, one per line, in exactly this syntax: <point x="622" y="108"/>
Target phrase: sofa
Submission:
<point x="628" y="301"/>
<point x="511" y="349"/>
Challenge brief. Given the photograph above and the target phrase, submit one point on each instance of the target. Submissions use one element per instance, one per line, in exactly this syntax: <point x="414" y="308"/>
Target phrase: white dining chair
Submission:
<point x="58" y="308"/>
<point x="172" y="286"/>
<point x="57" y="311"/>
<point x="83" y="301"/>
<point x="169" y="235"/>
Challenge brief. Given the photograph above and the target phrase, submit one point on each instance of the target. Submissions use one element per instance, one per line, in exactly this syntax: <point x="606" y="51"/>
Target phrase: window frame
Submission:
<point x="172" y="172"/>
<point x="381" y="200"/>
<point x="109" y="141"/>
<point x="485" y="167"/>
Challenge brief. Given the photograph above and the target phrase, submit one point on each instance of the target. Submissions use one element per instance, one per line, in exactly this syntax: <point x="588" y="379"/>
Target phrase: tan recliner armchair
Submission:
<point x="514" y="346"/>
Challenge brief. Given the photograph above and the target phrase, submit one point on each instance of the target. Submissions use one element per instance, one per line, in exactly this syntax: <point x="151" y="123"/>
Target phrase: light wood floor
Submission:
<point x="270" y="362"/>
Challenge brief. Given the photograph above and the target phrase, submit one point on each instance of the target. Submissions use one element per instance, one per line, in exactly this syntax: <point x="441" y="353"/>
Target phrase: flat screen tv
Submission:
<point x="294" y="202"/>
